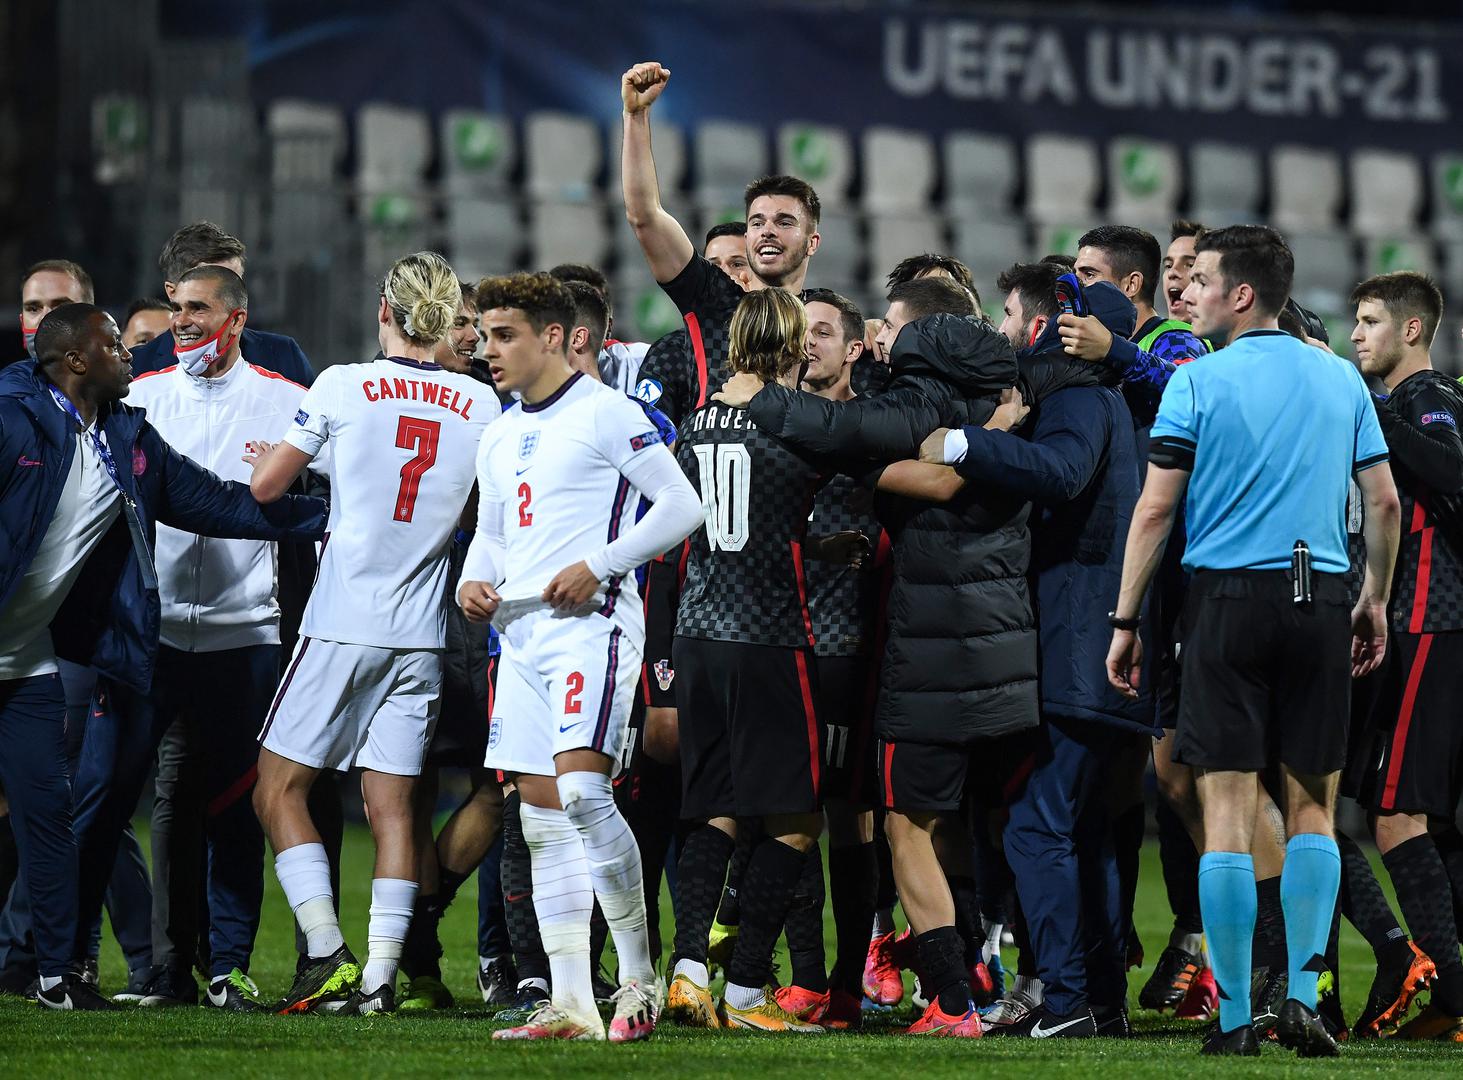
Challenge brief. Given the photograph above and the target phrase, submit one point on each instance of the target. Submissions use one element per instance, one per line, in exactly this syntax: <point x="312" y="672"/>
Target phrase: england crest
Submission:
<point x="527" y="444"/>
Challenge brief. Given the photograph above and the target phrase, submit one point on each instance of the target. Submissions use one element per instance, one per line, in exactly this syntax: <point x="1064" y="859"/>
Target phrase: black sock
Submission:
<point x="705" y="852"/>
<point x="651" y="803"/>
<point x="1449" y="842"/>
<point x="528" y="947"/>
<point x="767" y="891"/>
<point x="942" y="972"/>
<point x="854" y="888"/>
<point x="729" y="910"/>
<point x="967" y="918"/>
<point x="1269" y="946"/>
<point x="1127" y="839"/>
<point x="1423" y="891"/>
<point x="421" y="952"/>
<point x="1365" y="906"/>
<point x="448" y="883"/>
<point x="805" y="926"/>
<point x="888" y="894"/>
<point x="9" y="859"/>
<point x="599" y="933"/>
<point x="1180" y="861"/>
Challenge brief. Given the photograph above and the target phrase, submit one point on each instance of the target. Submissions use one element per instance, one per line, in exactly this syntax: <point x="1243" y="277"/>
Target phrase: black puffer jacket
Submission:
<point x="961" y="660"/>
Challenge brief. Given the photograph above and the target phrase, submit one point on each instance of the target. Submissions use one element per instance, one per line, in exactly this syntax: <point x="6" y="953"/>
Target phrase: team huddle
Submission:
<point x="687" y="606"/>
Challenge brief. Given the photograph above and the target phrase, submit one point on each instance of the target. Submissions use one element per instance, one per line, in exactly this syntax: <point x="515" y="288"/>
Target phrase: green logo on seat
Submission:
<point x="1141" y="172"/>
<point x="655" y="314"/>
<point x="476" y="143"/>
<point x="812" y="154"/>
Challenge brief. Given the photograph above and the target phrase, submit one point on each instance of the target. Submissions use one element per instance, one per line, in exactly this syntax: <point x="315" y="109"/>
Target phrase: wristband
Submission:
<point x="1124" y="624"/>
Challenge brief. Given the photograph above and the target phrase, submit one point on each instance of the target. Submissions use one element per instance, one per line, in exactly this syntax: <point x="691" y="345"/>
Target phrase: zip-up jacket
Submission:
<point x="111" y="618"/>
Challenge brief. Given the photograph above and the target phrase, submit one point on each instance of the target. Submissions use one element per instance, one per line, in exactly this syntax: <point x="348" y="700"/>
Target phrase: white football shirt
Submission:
<point x="555" y="472"/>
<point x="403" y="437"/>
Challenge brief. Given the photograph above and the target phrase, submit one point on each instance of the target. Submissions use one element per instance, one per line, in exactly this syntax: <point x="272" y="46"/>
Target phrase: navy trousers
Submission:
<point x="216" y="703"/>
<point x="492" y="915"/>
<point x="33" y="772"/>
<point x="1060" y="850"/>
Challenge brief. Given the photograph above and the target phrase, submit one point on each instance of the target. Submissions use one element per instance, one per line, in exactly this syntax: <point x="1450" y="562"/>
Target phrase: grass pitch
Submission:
<point x="201" y="1044"/>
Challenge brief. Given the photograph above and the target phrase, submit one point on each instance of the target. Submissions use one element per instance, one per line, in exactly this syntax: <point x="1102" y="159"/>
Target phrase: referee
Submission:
<point x="1263" y="436"/>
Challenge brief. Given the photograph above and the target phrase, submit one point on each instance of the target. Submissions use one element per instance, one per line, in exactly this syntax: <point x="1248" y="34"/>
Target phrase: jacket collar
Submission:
<point x="197" y="386"/>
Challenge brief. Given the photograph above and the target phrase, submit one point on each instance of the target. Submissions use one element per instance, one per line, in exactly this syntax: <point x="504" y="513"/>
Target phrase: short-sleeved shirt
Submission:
<point x="403" y="438"/>
<point x="745" y="579"/>
<point x="1273" y="429"/>
<point x="680" y="375"/>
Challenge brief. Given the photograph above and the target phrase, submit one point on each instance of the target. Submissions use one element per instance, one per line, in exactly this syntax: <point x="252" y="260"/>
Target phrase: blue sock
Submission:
<point x="1308" y="887"/>
<point x="1227" y="902"/>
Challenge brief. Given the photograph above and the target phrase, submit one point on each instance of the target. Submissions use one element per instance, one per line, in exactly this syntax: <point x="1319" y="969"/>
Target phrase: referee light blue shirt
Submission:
<point x="1274" y="429"/>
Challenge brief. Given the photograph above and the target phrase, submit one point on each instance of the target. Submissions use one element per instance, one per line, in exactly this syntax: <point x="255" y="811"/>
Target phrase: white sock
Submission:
<point x="694" y="970"/>
<point x="744" y="997"/>
<point x="563" y="899"/>
<point x="883" y="922"/>
<point x="992" y="946"/>
<point x="50" y="982"/>
<point x="1190" y="943"/>
<point x="1029" y="985"/>
<point x="614" y="868"/>
<point x="304" y="874"/>
<point x="391" y="906"/>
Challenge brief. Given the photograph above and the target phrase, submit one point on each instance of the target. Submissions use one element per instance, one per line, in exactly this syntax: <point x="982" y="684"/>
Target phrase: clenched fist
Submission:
<point x="642" y="84"/>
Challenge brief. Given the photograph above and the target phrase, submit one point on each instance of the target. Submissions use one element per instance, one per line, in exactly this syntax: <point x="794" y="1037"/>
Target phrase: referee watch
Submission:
<point x="1124" y="624"/>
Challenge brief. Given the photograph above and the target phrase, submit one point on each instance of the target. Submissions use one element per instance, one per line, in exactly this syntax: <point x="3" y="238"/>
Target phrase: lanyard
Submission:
<point x="129" y="508"/>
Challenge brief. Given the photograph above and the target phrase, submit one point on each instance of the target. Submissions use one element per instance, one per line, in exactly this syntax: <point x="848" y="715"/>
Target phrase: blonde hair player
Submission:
<point x="364" y="684"/>
<point x="552" y="564"/>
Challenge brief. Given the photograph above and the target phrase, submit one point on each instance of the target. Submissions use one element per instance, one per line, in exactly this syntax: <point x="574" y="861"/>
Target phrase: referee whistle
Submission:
<point x="1300" y="573"/>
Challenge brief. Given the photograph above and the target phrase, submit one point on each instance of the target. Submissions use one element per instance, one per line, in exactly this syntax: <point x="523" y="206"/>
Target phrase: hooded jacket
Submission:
<point x="1077" y="461"/>
<point x="111" y="617"/>
<point x="960" y="661"/>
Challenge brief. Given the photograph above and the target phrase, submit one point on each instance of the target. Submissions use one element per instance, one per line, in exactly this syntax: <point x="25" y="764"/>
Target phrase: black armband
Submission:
<point x="1171" y="453"/>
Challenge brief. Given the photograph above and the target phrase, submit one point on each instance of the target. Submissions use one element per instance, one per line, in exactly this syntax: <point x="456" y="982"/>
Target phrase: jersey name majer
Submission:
<point x="722" y="417"/>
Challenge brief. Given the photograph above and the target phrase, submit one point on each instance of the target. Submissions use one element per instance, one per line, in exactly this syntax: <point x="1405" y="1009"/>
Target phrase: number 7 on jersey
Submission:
<point x="419" y="435"/>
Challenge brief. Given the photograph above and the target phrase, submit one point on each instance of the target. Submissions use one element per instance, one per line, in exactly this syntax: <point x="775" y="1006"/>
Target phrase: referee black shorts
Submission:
<point x="751" y="741"/>
<point x="1409" y="757"/>
<point x="1266" y="681"/>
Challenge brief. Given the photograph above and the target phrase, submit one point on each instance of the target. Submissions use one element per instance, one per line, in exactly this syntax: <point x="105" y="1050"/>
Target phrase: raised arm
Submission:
<point x="667" y="247"/>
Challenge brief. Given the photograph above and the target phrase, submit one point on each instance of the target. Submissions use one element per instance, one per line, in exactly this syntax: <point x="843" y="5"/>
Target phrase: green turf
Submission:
<point x="202" y="1044"/>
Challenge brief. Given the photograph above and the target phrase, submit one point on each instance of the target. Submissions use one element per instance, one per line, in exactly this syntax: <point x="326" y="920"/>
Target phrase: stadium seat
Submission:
<point x="840" y="253"/>
<point x="564" y="155"/>
<point x="820" y="155"/>
<point x="1305" y="188"/>
<point x="1225" y="183"/>
<point x="1144" y="178"/>
<point x="1325" y="268"/>
<point x="1383" y="254"/>
<point x="981" y="173"/>
<point x="729" y="156"/>
<point x="1447" y="196"/>
<point x="1058" y="238"/>
<point x="484" y="235"/>
<point x="567" y="232"/>
<point x="479" y="151"/>
<point x="898" y="169"/>
<point x="893" y="237"/>
<point x="1386" y="192"/>
<point x="988" y="247"/>
<point x="1062" y="178"/>
<point x="669" y="144"/>
<point x="393" y="149"/>
<point x="307" y="143"/>
<point x="1450" y="271"/>
<point x="119" y="137"/>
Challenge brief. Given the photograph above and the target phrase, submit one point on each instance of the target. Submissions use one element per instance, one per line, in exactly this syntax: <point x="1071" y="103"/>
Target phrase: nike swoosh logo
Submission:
<point x="564" y="729"/>
<point x="1039" y="1032"/>
<point x="516" y="472"/>
<point x="23" y="460"/>
<point x="513" y="898"/>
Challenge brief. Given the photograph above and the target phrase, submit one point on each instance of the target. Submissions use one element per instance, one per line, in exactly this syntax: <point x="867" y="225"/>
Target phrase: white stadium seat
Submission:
<point x="1386" y="192"/>
<point x="484" y="234"/>
<point x="1305" y="188"/>
<point x="840" y="249"/>
<point x="393" y="148"/>
<point x="729" y="156"/>
<point x="1144" y="178"/>
<point x="479" y="151"/>
<point x="1325" y="268"/>
<point x="898" y="169"/>
<point x="567" y="232"/>
<point x="564" y="155"/>
<point x="893" y="237"/>
<point x="988" y="246"/>
<point x="1225" y="184"/>
<point x="823" y="156"/>
<point x="981" y="173"/>
<point x="669" y="145"/>
<point x="1402" y="251"/>
<point x="1062" y="178"/>
<point x="307" y="143"/>
<point x="1447" y="195"/>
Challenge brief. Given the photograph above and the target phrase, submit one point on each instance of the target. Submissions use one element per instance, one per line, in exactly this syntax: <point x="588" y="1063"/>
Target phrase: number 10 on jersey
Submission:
<point x="726" y="476"/>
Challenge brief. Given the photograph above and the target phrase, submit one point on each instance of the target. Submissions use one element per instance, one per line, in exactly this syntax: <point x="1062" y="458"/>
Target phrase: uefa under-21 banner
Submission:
<point x="1175" y="74"/>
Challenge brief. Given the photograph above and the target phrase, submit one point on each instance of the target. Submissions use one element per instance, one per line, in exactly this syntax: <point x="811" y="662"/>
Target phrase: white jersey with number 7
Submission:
<point x="403" y="436"/>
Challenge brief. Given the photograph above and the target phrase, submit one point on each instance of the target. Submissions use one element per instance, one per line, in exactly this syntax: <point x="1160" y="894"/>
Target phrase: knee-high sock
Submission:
<point x="967" y="918"/>
<point x="614" y="867"/>
<point x="391" y="907"/>
<point x="517" y="883"/>
<point x="1422" y="890"/>
<point x="1365" y="905"/>
<point x="729" y="910"/>
<point x="805" y="926"/>
<point x="1308" y="887"/>
<point x="705" y="851"/>
<point x="562" y="898"/>
<point x="1449" y="842"/>
<point x="766" y="894"/>
<point x="651" y="804"/>
<point x="1269" y="947"/>
<point x="853" y="885"/>
<point x="1227" y="901"/>
<point x="304" y="874"/>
